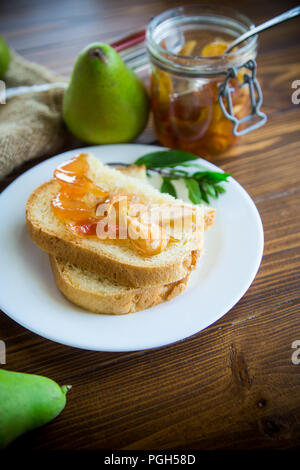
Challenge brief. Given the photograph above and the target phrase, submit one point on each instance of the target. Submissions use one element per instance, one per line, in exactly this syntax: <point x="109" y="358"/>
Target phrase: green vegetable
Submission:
<point x="165" y="158"/>
<point x="219" y="190"/>
<point x="211" y="176"/>
<point x="168" y="187"/>
<point x="194" y="190"/>
<point x="201" y="185"/>
<point x="26" y="402"/>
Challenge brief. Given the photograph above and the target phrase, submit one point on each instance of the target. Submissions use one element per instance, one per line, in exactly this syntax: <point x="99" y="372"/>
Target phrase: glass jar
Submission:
<point x="186" y="79"/>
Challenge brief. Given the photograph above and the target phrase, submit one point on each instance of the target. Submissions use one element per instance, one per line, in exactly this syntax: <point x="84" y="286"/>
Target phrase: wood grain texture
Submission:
<point x="232" y="386"/>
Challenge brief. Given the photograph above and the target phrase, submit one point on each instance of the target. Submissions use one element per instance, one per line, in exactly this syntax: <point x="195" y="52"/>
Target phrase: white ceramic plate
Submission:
<point x="28" y="293"/>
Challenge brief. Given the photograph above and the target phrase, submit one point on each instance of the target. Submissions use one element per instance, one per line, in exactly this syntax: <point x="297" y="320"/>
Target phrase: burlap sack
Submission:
<point x="31" y="125"/>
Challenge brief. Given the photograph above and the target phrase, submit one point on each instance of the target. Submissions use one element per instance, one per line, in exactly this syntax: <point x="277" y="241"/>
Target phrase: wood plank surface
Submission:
<point x="232" y="386"/>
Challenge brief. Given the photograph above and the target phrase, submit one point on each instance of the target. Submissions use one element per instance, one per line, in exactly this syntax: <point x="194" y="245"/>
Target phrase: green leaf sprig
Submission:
<point x="201" y="184"/>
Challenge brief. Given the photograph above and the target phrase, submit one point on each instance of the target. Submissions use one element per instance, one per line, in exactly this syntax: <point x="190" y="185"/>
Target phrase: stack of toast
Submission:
<point x="109" y="276"/>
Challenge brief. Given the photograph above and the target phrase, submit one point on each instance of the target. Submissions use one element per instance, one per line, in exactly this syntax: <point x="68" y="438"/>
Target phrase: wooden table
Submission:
<point x="233" y="385"/>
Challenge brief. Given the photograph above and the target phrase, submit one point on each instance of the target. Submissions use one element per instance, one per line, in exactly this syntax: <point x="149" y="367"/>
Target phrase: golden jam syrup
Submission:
<point x="78" y="202"/>
<point x="187" y="114"/>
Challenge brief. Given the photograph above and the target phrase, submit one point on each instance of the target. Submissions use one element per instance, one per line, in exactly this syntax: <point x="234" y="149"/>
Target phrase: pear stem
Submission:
<point x="98" y="54"/>
<point x="66" y="388"/>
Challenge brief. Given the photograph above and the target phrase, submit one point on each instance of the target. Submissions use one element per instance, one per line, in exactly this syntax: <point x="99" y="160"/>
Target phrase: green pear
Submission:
<point x="26" y="402"/>
<point x="4" y="56"/>
<point x="105" y="102"/>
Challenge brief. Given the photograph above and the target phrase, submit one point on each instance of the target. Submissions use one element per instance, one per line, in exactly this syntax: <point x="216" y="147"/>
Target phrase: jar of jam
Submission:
<point x="202" y="99"/>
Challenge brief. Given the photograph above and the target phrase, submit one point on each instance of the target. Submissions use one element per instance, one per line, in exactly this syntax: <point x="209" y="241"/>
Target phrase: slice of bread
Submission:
<point x="119" y="262"/>
<point x="100" y="295"/>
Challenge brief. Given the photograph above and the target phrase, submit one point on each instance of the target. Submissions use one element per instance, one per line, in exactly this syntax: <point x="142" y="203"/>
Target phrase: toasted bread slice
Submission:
<point x="116" y="261"/>
<point x="100" y="295"/>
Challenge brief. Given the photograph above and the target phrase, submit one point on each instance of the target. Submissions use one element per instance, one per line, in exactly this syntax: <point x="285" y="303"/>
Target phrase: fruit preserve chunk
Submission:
<point x="89" y="211"/>
<point x="214" y="49"/>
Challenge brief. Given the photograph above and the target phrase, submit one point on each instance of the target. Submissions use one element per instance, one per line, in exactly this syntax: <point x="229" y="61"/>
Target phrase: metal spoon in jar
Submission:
<point x="268" y="24"/>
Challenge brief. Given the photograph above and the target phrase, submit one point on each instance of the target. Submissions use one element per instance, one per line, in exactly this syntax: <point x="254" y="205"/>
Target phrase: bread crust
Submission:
<point x="69" y="248"/>
<point x="126" y="301"/>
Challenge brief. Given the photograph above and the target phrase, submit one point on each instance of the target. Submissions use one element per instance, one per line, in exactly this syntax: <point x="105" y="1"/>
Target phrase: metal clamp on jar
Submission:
<point x="202" y="99"/>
